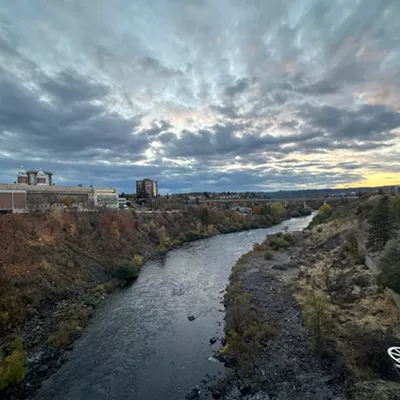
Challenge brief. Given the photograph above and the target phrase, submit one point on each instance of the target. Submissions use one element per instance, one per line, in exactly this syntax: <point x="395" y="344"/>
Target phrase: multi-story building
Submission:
<point x="105" y="197"/>
<point x="34" y="177"/>
<point x="146" y="189"/>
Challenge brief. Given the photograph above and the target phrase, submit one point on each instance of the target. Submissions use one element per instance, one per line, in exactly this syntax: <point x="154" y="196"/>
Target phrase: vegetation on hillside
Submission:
<point x="246" y="330"/>
<point x="12" y="364"/>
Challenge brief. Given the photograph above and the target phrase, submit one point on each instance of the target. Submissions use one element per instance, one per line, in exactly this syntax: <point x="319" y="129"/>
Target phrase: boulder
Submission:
<point x="279" y="267"/>
<point x="194" y="394"/>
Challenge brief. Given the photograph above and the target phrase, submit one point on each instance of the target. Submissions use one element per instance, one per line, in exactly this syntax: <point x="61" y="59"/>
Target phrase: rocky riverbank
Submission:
<point x="327" y="324"/>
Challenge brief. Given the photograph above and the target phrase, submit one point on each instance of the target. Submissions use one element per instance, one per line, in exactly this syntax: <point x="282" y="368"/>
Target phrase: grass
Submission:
<point x="65" y="333"/>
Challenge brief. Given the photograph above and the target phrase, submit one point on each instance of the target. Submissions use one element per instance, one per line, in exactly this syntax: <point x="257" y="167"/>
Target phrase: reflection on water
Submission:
<point x="141" y="344"/>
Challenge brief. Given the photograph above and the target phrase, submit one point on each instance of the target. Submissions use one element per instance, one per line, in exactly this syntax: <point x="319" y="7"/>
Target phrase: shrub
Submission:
<point x="137" y="260"/>
<point x="12" y="365"/>
<point x="245" y="329"/>
<point x="260" y="246"/>
<point x="277" y="243"/>
<point x="288" y="237"/>
<point x="65" y="333"/>
<point x="126" y="271"/>
<point x="315" y="307"/>
<point x="268" y="255"/>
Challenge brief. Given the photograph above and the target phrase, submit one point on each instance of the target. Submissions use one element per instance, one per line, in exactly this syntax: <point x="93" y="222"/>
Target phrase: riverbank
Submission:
<point x="329" y="325"/>
<point x="51" y="290"/>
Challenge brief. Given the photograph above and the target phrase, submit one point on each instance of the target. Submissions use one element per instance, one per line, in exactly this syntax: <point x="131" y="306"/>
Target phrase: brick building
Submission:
<point x="13" y="201"/>
<point x="34" y="177"/>
<point x="146" y="189"/>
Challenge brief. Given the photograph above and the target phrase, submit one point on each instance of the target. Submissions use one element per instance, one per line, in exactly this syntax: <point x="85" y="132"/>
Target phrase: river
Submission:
<point x="140" y="344"/>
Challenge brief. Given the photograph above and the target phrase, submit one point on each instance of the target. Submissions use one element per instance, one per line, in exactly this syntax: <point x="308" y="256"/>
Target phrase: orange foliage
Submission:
<point x="257" y="210"/>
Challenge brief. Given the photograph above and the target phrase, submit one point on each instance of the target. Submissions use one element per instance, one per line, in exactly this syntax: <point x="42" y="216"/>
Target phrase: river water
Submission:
<point x="140" y="344"/>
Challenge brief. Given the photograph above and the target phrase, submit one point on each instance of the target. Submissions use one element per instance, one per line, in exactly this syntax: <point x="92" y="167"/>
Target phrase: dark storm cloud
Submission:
<point x="69" y="87"/>
<point x="183" y="90"/>
<point x="367" y="123"/>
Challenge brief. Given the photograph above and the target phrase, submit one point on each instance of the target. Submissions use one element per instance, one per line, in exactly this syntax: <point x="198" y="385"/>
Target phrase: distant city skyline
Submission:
<point x="226" y="95"/>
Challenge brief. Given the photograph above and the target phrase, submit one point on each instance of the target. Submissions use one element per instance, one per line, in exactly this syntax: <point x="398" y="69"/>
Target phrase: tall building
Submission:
<point x="146" y="189"/>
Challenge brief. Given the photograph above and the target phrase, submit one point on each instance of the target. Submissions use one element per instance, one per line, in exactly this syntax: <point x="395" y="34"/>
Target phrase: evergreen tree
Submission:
<point x="380" y="225"/>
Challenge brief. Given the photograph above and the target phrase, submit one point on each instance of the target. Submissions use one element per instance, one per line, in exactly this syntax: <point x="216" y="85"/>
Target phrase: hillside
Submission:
<point x="307" y="318"/>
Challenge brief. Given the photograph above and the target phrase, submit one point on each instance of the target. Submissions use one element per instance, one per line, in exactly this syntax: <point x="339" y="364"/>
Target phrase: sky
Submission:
<point x="202" y="95"/>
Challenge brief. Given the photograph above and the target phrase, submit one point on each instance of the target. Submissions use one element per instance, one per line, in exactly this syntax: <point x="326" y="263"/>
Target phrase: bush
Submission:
<point x="137" y="260"/>
<point x="268" y="255"/>
<point x="245" y="329"/>
<point x="260" y="246"/>
<point x="126" y="271"/>
<point x="277" y="243"/>
<point x="12" y="365"/>
<point x="315" y="307"/>
<point x="288" y="237"/>
<point x="65" y="333"/>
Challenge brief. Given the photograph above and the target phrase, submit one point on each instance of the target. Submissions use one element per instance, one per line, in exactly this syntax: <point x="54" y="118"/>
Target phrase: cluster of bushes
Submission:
<point x="324" y="213"/>
<point x="246" y="330"/>
<point x="12" y="364"/>
<point x="281" y="241"/>
<point x="300" y="212"/>
<point x="126" y="271"/>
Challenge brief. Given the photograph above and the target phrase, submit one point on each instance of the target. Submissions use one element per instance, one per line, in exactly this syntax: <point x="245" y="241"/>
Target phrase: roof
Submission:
<point x="35" y="171"/>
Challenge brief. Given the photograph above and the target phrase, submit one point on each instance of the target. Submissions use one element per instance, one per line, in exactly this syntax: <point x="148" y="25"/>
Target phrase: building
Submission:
<point x="122" y="203"/>
<point x="35" y="191"/>
<point x="146" y="189"/>
<point x="12" y="201"/>
<point x="105" y="197"/>
<point x="34" y="177"/>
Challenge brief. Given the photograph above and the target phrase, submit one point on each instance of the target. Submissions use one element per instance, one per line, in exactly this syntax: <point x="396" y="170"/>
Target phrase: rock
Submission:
<point x="43" y="370"/>
<point x="194" y="394"/>
<point x="291" y="264"/>
<point x="260" y="396"/>
<point x="213" y="340"/>
<point x="191" y="318"/>
<point x="279" y="267"/>
<point x="215" y="393"/>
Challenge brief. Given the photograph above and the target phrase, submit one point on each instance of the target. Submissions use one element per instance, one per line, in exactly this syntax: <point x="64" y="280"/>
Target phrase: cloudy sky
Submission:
<point x="202" y="94"/>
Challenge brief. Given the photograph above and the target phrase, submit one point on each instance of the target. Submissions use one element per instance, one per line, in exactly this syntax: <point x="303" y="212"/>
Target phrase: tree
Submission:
<point x="204" y="216"/>
<point x="325" y="209"/>
<point x="68" y="201"/>
<point x="381" y="227"/>
<point x="55" y="220"/>
<point x="389" y="264"/>
<point x="277" y="209"/>
<point x="395" y="211"/>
